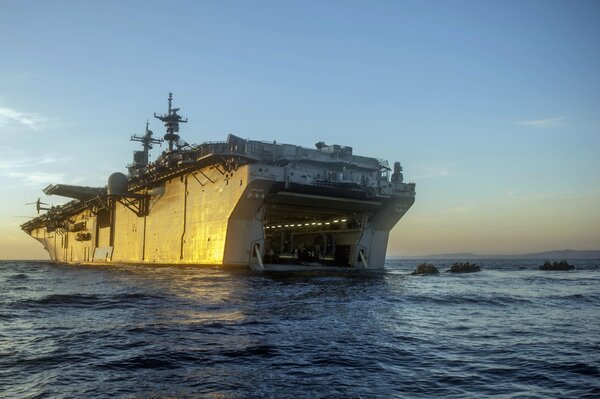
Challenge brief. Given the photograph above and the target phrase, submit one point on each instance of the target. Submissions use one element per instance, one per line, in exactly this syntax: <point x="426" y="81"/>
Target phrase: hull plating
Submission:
<point x="211" y="218"/>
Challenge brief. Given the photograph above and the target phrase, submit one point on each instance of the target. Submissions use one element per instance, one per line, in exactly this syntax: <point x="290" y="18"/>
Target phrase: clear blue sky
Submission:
<point x="493" y="108"/>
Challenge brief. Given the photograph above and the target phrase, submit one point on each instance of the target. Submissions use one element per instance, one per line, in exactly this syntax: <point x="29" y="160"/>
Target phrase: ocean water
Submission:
<point x="510" y="331"/>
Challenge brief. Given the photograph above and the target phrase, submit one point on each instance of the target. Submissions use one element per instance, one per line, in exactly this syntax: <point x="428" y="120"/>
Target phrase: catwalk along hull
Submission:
<point x="238" y="202"/>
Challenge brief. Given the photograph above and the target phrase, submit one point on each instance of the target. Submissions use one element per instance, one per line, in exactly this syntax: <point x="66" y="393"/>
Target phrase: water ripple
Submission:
<point x="177" y="332"/>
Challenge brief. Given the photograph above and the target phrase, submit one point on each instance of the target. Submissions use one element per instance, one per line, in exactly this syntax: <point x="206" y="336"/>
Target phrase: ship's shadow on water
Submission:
<point x="176" y="331"/>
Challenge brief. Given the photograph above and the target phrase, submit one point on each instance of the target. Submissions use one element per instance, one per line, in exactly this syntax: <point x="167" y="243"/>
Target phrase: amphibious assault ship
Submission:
<point x="237" y="202"/>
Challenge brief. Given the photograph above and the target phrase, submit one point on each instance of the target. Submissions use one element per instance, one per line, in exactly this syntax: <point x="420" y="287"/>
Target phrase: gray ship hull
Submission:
<point x="245" y="217"/>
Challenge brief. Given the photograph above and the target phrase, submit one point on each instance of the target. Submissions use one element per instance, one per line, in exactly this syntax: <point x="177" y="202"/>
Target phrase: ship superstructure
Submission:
<point x="236" y="202"/>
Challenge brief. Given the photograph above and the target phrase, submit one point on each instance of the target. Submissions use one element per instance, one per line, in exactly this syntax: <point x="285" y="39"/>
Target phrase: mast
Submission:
<point x="141" y="157"/>
<point x="171" y="120"/>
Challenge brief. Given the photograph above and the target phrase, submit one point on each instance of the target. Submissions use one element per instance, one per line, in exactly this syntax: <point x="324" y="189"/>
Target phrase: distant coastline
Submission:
<point x="550" y="255"/>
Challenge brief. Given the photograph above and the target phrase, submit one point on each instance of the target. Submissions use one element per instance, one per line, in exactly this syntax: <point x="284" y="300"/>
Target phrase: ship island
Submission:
<point x="239" y="202"/>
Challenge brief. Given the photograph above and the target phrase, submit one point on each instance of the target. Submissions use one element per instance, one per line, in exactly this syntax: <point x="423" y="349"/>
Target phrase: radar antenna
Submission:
<point x="141" y="157"/>
<point x="171" y="121"/>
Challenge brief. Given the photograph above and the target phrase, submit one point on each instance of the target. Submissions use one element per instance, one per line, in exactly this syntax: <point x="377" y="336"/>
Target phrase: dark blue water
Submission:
<point x="176" y="332"/>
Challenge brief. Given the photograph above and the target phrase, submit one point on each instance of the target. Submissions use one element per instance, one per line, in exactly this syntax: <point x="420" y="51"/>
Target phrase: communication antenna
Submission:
<point x="147" y="142"/>
<point x="171" y="121"/>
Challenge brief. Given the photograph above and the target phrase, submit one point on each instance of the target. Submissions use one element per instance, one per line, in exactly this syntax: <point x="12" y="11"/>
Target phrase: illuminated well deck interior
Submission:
<point x="322" y="229"/>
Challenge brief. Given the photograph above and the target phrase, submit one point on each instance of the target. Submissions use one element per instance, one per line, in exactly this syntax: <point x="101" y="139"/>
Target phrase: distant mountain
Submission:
<point x="562" y="254"/>
<point x="549" y="255"/>
<point x="455" y="255"/>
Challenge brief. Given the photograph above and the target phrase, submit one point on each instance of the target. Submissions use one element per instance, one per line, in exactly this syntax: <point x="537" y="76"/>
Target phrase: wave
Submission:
<point x="5" y="316"/>
<point x="88" y="300"/>
<point x="579" y="368"/>
<point x="252" y="351"/>
<point x="592" y="298"/>
<point x="63" y="299"/>
<point x="495" y="300"/>
<point x="52" y="359"/>
<point x="141" y="362"/>
<point x="16" y="277"/>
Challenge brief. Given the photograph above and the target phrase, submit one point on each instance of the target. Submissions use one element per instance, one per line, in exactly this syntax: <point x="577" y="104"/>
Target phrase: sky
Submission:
<point x="493" y="108"/>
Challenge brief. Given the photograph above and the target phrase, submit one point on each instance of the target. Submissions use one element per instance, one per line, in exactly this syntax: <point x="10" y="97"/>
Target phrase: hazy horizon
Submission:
<point x="45" y="255"/>
<point x="492" y="108"/>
